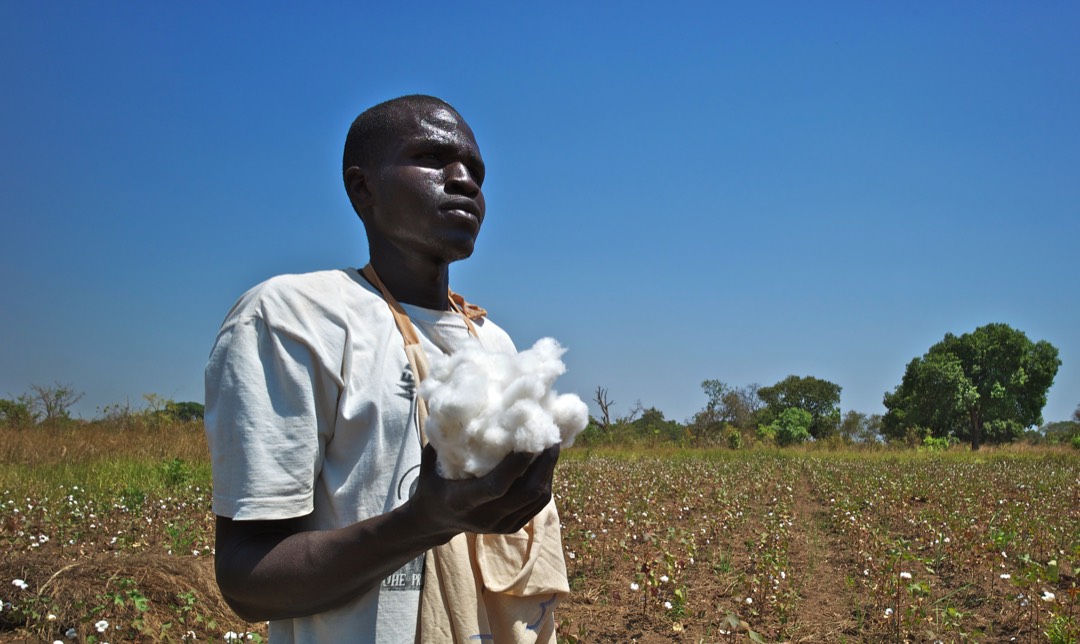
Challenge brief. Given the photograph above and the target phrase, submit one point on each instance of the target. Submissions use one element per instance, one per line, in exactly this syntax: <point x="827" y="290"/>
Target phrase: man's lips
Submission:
<point x="467" y="209"/>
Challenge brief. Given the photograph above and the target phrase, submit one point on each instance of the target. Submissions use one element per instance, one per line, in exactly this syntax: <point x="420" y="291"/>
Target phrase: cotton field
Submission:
<point x="108" y="537"/>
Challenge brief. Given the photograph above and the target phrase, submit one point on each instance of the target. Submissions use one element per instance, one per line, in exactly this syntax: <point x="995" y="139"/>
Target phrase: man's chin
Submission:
<point x="459" y="249"/>
<point x="457" y="257"/>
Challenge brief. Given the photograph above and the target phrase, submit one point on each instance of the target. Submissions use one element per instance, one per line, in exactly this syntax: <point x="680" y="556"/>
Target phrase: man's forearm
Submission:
<point x="276" y="570"/>
<point x="280" y="574"/>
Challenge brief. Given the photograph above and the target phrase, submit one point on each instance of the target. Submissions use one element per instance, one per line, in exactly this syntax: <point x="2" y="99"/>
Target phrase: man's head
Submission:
<point x="380" y="125"/>
<point x="413" y="172"/>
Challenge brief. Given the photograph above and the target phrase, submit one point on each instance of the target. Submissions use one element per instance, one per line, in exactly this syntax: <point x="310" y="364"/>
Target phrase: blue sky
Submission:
<point x="676" y="191"/>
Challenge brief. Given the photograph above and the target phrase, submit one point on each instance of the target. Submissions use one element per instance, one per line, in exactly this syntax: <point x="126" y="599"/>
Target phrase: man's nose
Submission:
<point x="460" y="181"/>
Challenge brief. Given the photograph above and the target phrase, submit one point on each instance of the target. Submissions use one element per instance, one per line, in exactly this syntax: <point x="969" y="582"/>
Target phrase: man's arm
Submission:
<point x="270" y="570"/>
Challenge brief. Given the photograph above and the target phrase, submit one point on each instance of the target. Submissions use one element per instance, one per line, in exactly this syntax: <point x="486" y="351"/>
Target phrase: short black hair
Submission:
<point x="377" y="126"/>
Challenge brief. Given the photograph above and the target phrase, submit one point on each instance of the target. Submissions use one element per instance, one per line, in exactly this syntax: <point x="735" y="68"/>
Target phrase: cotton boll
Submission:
<point x="535" y="430"/>
<point x="456" y="402"/>
<point x="548" y="355"/>
<point x="571" y="415"/>
<point x="497" y="437"/>
<point x="543" y="361"/>
<point x="485" y="449"/>
<point x="451" y="408"/>
<point x="480" y="460"/>
<point x="484" y="405"/>
<point x="525" y="387"/>
<point x="451" y="464"/>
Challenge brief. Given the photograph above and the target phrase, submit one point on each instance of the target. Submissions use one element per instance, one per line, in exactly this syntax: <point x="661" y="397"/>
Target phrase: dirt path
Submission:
<point x="822" y="563"/>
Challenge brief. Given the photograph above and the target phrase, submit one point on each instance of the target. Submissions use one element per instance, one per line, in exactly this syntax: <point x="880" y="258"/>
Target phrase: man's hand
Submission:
<point x="275" y="570"/>
<point x="501" y="502"/>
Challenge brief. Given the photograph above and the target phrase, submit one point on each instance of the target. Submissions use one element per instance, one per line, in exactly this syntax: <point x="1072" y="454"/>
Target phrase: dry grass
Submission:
<point x="89" y="442"/>
<point x="124" y="506"/>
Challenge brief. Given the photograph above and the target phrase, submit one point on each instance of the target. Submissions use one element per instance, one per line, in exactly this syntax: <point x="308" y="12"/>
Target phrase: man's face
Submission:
<point x="425" y="195"/>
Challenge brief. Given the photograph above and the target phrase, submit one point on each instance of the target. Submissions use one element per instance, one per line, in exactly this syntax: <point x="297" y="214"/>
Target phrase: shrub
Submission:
<point x="932" y="444"/>
<point x="17" y="413"/>
<point x="792" y="427"/>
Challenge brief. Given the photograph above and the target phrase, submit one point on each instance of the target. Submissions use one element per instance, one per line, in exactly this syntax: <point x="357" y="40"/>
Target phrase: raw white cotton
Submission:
<point x="482" y="405"/>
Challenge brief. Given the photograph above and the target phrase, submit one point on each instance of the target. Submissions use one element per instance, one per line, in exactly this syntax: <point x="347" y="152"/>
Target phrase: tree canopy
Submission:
<point x="857" y="427"/>
<point x="737" y="407"/>
<point x="652" y="425"/>
<point x="18" y="412"/>
<point x="820" y="398"/>
<point x="987" y="385"/>
<point x="185" y="411"/>
<point x="792" y="427"/>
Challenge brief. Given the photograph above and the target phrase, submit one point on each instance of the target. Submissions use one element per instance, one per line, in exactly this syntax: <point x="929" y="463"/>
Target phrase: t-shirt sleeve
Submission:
<point x="267" y="421"/>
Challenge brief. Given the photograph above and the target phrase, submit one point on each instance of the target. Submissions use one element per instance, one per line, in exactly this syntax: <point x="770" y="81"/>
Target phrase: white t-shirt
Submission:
<point x="311" y="412"/>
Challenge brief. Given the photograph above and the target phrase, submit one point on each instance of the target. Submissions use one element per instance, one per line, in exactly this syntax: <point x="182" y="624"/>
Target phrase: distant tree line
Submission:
<point x="795" y="410"/>
<point x="50" y="406"/>
<point x="987" y="386"/>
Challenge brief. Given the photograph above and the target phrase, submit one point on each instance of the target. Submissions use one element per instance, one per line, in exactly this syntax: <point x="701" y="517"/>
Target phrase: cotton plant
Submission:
<point x="483" y="405"/>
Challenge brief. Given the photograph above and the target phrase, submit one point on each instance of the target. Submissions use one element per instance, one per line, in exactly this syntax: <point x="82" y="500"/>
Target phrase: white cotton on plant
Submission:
<point x="482" y="405"/>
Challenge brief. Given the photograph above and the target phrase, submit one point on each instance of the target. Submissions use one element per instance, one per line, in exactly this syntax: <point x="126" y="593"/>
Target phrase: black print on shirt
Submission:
<point x="407" y="386"/>
<point x="412" y="473"/>
<point x="407" y="390"/>
<point x="410" y="577"/>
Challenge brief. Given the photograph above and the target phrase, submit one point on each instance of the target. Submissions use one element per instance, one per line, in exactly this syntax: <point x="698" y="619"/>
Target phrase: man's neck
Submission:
<point x="422" y="284"/>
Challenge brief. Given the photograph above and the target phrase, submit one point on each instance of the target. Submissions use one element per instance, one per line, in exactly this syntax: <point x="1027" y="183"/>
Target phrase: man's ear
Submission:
<point x="356" y="186"/>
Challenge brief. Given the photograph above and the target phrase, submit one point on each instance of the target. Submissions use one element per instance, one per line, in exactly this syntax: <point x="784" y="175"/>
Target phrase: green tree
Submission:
<point x="1062" y="431"/>
<point x="857" y="427"/>
<point x="593" y="434"/>
<point x="935" y="394"/>
<point x="185" y="411"/>
<point x="1059" y="432"/>
<point x="707" y="425"/>
<point x="741" y="406"/>
<point x="819" y="398"/>
<point x="792" y="426"/>
<point x="653" y="426"/>
<point x="728" y="408"/>
<point x="987" y="385"/>
<point x="18" y="412"/>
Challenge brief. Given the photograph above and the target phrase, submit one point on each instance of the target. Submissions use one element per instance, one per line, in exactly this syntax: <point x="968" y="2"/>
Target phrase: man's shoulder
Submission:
<point x="322" y="287"/>
<point x="303" y="284"/>
<point x="326" y="295"/>
<point x="494" y="337"/>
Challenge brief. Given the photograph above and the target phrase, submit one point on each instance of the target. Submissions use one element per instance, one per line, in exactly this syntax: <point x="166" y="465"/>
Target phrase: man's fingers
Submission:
<point x="527" y="495"/>
<point x="541" y="470"/>
<point x="498" y="481"/>
<point x="427" y="459"/>
<point x="517" y="520"/>
<point x="503" y="500"/>
<point x="549" y="457"/>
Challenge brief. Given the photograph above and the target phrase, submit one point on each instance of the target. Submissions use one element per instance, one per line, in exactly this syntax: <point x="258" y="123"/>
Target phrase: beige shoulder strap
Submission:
<point x="414" y="351"/>
<point x="404" y="324"/>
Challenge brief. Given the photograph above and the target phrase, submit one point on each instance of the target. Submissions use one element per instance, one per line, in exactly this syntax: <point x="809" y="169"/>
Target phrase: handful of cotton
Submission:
<point x="482" y="405"/>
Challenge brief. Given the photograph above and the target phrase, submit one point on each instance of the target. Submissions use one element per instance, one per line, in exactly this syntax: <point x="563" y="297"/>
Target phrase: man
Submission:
<point x="326" y="500"/>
